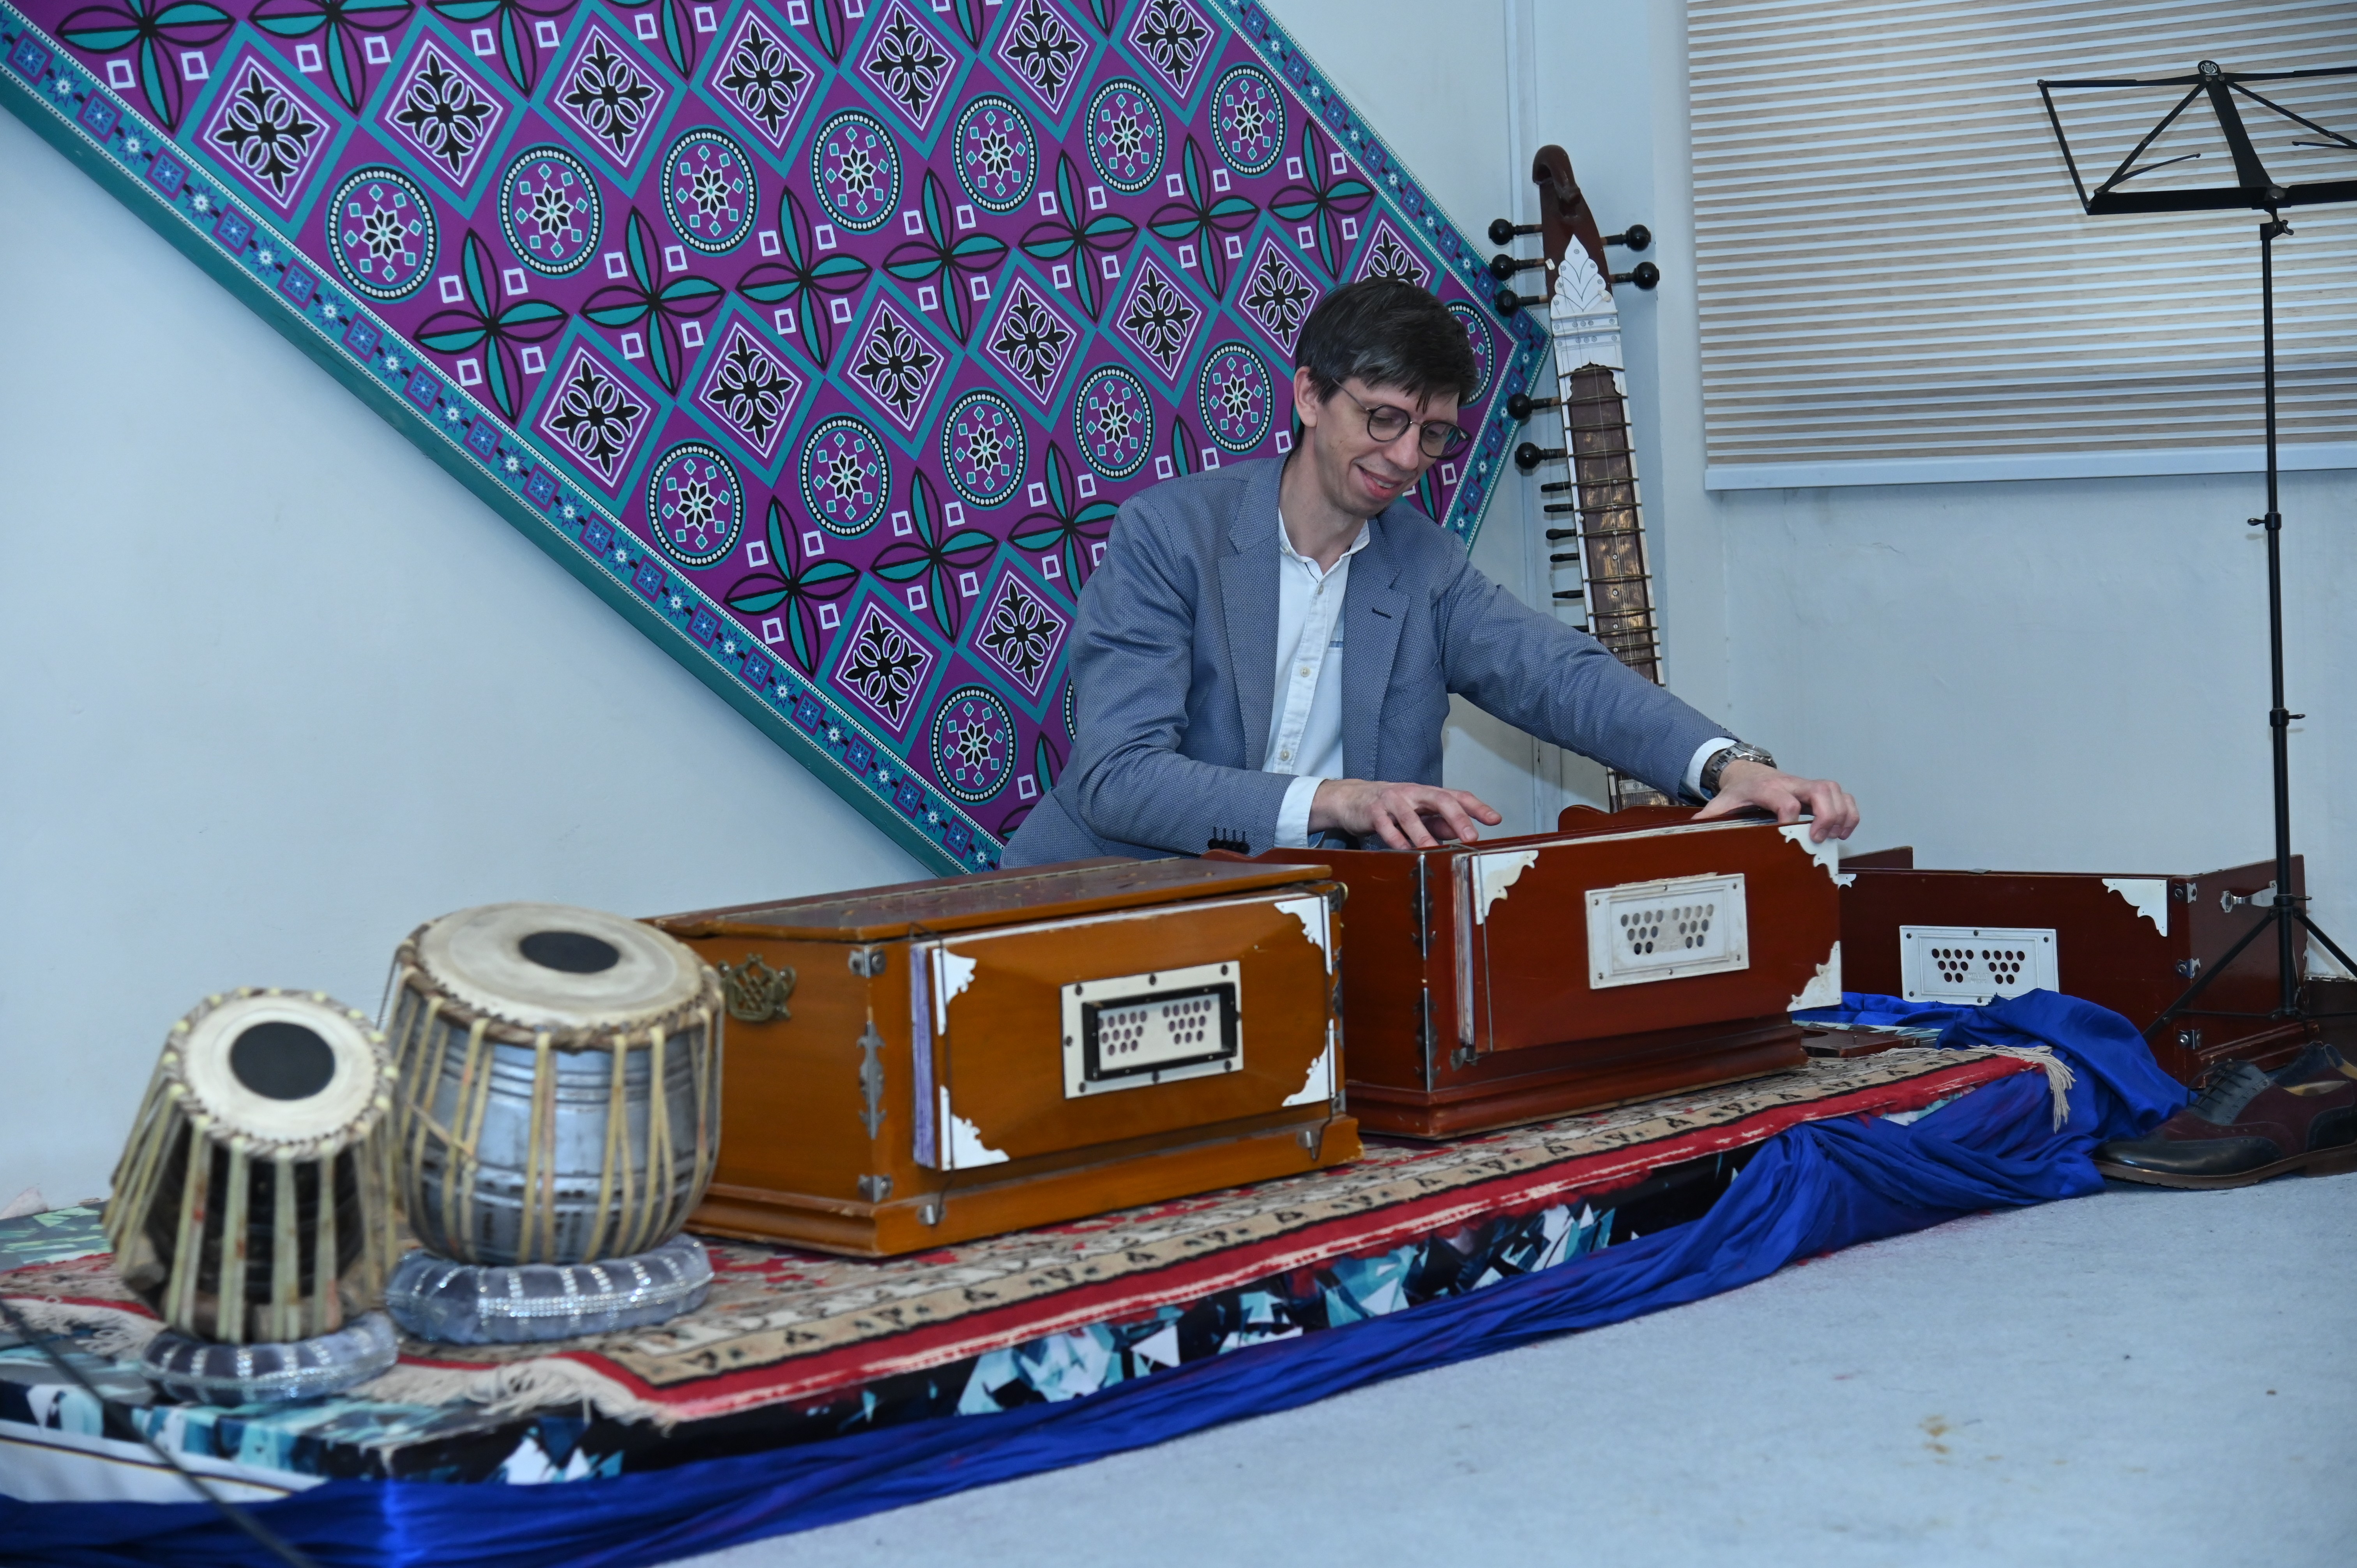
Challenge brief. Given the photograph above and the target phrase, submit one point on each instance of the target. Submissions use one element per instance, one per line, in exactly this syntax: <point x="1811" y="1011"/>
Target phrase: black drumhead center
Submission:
<point x="570" y="953"/>
<point x="279" y="1060"/>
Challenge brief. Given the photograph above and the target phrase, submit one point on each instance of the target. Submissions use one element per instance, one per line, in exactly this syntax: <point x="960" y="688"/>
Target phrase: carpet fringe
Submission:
<point x="111" y="1332"/>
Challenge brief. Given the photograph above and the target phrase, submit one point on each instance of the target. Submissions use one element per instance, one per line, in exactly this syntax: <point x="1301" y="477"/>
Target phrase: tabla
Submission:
<point x="251" y="1204"/>
<point x="560" y="1084"/>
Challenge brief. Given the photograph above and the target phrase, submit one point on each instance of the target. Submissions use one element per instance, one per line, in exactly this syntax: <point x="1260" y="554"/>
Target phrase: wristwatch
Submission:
<point x="1739" y="752"/>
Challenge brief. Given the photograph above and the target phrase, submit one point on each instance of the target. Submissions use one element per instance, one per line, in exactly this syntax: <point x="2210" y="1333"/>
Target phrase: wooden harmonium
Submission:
<point x="2129" y="944"/>
<point x="1622" y="956"/>
<point x="924" y="1064"/>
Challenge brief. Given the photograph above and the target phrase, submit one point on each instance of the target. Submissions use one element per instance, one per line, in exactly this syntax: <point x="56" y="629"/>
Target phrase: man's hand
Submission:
<point x="1755" y="784"/>
<point x="1397" y="813"/>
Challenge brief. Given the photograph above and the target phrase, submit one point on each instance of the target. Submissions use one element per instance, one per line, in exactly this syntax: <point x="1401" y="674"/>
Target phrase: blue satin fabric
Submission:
<point x="1813" y="1188"/>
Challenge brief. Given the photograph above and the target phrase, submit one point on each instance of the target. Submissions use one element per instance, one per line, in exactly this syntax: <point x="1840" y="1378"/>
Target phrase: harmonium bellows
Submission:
<point x="923" y="1064"/>
<point x="1624" y="955"/>
<point x="2129" y="942"/>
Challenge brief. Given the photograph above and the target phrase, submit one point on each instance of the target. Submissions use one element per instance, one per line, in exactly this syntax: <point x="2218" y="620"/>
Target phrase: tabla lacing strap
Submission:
<point x="286" y="1255"/>
<point x="180" y="1292"/>
<point x="459" y="1164"/>
<point x="707" y="1067"/>
<point x="662" y="1191"/>
<point x="229" y="1306"/>
<point x="326" y="1306"/>
<point x="617" y="1121"/>
<point x="536" y="1156"/>
<point x="263" y="1536"/>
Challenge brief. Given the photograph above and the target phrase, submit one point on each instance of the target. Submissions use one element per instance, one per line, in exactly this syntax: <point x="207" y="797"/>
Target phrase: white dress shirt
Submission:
<point x="1305" y="728"/>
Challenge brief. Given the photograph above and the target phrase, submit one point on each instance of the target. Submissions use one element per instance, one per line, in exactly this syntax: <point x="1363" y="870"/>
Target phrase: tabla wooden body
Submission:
<point x="942" y="1060"/>
<point x="1623" y="956"/>
<point x="2129" y="944"/>
<point x="560" y="1084"/>
<point x="251" y="1204"/>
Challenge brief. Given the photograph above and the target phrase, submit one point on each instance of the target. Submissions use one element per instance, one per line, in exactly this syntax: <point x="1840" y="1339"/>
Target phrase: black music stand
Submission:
<point x="2254" y="189"/>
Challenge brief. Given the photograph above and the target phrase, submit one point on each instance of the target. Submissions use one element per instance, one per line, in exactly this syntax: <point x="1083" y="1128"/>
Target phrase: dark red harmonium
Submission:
<point x="1621" y="956"/>
<point x="2132" y="943"/>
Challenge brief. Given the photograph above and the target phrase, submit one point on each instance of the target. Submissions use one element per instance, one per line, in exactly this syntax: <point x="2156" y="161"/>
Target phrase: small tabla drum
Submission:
<point x="560" y="1105"/>
<point x="252" y="1208"/>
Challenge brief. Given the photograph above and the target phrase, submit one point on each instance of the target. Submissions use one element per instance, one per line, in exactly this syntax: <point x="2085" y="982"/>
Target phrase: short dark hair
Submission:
<point x="1388" y="333"/>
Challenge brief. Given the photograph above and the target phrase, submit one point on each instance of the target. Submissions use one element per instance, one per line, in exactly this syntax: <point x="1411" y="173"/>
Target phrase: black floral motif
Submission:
<point x="444" y="115"/>
<point x="1173" y="37"/>
<point x="1031" y="341"/>
<point x="595" y="415"/>
<point x="266" y="131"/>
<point x="1278" y="296"/>
<point x="1039" y="44"/>
<point x="906" y="62"/>
<point x="610" y="96"/>
<point x="1021" y="635"/>
<point x="751" y="391"/>
<point x="764" y="80"/>
<point x="1159" y="320"/>
<point x="886" y="667"/>
<point x="895" y="366"/>
<point x="1387" y="258"/>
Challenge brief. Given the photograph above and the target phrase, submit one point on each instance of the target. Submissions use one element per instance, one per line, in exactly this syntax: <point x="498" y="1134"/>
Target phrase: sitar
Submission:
<point x="1595" y="510"/>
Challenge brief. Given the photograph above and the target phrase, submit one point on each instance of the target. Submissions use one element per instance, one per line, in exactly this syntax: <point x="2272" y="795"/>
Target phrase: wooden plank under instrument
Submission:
<point x="2129" y="944"/>
<point x="1611" y="583"/>
<point x="923" y="1064"/>
<point x="1622" y="956"/>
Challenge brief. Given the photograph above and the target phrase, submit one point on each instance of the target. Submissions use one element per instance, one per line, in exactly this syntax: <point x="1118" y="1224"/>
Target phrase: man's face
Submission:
<point x="1357" y="473"/>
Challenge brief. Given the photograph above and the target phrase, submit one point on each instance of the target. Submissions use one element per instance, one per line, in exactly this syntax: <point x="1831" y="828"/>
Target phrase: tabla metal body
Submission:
<point x="2129" y="944"/>
<point x="262" y="1102"/>
<point x="1474" y="999"/>
<point x="913" y="1064"/>
<point x="560" y="1084"/>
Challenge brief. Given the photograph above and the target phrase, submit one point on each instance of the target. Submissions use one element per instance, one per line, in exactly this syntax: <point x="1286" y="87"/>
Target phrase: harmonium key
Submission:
<point x="2129" y="942"/>
<point x="923" y="1064"/>
<point x="1623" y="956"/>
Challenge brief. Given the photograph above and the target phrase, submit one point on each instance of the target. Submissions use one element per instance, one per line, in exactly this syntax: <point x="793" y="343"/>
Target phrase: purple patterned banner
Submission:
<point x="822" y="338"/>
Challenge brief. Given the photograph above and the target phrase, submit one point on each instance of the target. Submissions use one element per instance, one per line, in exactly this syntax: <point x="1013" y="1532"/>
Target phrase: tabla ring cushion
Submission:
<point x="474" y="1303"/>
<point x="206" y="1372"/>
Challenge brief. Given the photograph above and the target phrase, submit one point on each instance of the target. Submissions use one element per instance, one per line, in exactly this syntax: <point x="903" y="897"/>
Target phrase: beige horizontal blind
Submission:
<point x="1896" y="281"/>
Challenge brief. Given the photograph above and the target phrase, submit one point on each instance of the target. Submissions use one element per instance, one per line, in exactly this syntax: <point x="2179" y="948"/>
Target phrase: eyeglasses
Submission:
<point x="1387" y="422"/>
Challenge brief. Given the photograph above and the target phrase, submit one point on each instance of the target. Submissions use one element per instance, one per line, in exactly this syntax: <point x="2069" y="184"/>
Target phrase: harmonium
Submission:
<point x="1624" y="955"/>
<point x="918" y="1065"/>
<point x="2131" y="944"/>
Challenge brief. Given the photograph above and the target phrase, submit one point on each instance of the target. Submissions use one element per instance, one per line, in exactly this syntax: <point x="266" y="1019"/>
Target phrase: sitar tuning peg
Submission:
<point x="1502" y="231"/>
<point x="1636" y="237"/>
<point x="1530" y="454"/>
<point x="1644" y="275"/>
<point x="1503" y="266"/>
<point x="1508" y="302"/>
<point x="1522" y="405"/>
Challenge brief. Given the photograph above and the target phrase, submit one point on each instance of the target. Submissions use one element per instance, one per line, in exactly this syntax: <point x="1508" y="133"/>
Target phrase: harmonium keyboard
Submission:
<point x="1625" y="955"/>
<point x="918" y="1065"/>
<point x="2131" y="944"/>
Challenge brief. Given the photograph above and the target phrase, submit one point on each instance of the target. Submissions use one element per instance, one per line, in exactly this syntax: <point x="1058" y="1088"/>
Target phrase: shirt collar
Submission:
<point x="1284" y="544"/>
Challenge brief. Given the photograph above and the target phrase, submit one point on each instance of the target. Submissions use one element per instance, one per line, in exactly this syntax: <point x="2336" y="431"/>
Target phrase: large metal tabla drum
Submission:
<point x="252" y="1208"/>
<point x="560" y="1105"/>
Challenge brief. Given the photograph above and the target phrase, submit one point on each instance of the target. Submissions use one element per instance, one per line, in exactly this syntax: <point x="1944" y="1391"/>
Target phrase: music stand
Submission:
<point x="2254" y="188"/>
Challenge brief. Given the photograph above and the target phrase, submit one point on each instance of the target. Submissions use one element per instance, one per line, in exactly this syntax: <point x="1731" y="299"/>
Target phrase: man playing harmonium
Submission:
<point x="1265" y="654"/>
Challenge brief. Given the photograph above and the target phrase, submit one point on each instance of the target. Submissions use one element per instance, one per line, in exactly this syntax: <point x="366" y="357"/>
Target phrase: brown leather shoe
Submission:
<point x="2247" y="1126"/>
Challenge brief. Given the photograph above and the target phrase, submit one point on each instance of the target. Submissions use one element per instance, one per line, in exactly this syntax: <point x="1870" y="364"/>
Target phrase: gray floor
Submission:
<point x="2141" y="1378"/>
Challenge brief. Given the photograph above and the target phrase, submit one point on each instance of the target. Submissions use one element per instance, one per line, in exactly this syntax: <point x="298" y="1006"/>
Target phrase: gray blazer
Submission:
<point x="1173" y="670"/>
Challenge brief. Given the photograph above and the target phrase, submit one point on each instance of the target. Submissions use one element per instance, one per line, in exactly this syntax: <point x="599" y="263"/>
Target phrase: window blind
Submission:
<point x="1895" y="279"/>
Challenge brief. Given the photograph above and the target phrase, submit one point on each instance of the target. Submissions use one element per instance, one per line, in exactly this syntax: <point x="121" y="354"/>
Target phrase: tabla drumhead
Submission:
<point x="284" y="1068"/>
<point x="551" y="966"/>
